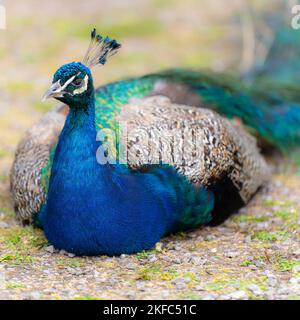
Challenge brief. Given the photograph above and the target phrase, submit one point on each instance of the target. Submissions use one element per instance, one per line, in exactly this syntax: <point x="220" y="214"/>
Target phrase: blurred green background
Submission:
<point x="155" y="34"/>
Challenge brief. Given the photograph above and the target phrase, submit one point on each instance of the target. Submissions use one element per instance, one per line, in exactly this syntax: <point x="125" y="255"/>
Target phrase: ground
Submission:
<point x="253" y="255"/>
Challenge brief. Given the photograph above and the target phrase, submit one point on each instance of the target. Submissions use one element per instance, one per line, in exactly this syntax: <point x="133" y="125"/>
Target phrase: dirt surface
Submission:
<point x="253" y="255"/>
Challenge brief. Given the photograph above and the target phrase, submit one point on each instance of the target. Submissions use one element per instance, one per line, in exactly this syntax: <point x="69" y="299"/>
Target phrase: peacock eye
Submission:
<point x="77" y="82"/>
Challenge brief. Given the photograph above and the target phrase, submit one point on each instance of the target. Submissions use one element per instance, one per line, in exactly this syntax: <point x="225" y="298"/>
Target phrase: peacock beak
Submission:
<point x="55" y="91"/>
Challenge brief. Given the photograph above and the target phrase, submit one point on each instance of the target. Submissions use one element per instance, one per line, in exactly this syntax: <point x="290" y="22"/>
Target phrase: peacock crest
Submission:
<point x="99" y="50"/>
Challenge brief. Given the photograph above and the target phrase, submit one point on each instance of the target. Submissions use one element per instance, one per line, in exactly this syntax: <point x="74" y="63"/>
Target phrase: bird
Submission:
<point x="136" y="159"/>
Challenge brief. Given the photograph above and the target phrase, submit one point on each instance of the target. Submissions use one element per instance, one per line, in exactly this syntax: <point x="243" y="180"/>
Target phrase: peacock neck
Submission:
<point x="82" y="117"/>
<point x="75" y="156"/>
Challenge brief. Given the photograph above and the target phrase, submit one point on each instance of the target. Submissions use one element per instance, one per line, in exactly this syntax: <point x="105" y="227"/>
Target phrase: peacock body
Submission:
<point x="184" y="165"/>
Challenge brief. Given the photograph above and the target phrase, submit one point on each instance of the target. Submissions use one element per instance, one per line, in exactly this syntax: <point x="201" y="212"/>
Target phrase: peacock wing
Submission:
<point x="198" y="143"/>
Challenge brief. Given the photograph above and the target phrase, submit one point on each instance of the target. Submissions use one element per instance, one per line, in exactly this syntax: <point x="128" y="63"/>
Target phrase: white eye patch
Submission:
<point x="67" y="83"/>
<point x="83" y="87"/>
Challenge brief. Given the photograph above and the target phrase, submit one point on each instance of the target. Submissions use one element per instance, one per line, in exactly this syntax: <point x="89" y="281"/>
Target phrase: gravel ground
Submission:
<point x="253" y="255"/>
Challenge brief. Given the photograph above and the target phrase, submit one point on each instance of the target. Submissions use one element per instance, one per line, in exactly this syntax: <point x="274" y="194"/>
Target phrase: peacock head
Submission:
<point x="73" y="82"/>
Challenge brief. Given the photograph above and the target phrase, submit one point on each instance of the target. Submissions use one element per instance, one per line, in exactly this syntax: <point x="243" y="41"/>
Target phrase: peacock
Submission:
<point x="114" y="169"/>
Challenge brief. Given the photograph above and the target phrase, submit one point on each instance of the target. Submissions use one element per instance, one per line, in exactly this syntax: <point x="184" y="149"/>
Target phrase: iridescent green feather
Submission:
<point x="111" y="98"/>
<point x="46" y="171"/>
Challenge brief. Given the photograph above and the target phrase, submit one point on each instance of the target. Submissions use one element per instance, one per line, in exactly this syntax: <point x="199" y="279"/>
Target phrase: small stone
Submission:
<point x="296" y="252"/>
<point x="213" y="250"/>
<point x="177" y="260"/>
<point x="152" y="258"/>
<point x="198" y="261"/>
<point x="123" y="256"/>
<point x="50" y="249"/>
<point x="179" y="283"/>
<point x="259" y="263"/>
<point x="283" y="291"/>
<point x="47" y="271"/>
<point x="158" y="247"/>
<point x="209" y="297"/>
<point x="272" y="281"/>
<point x="243" y="225"/>
<point x="268" y="273"/>
<point x="224" y="230"/>
<point x="238" y="295"/>
<point x="3" y="225"/>
<point x="131" y="294"/>
<point x="191" y="235"/>
<point x="35" y="295"/>
<point x="252" y="267"/>
<point x="269" y="294"/>
<point x="255" y="289"/>
<point x="248" y="239"/>
<point x="200" y="288"/>
<point x="82" y="281"/>
<point x="71" y="255"/>
<point x="275" y="247"/>
<point x="167" y="258"/>
<point x="96" y="274"/>
<point x="294" y="280"/>
<point x="177" y="280"/>
<point x="209" y="237"/>
<point x="231" y="254"/>
<point x="76" y="271"/>
<point x="228" y="223"/>
<point x="296" y="269"/>
<point x="63" y="252"/>
<point x="165" y="294"/>
<point x="130" y="266"/>
<point x="49" y="290"/>
<point x="263" y="225"/>
<point x="140" y="286"/>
